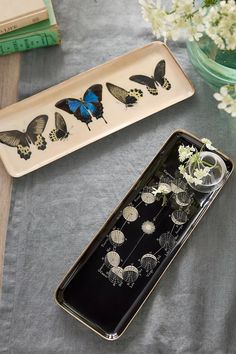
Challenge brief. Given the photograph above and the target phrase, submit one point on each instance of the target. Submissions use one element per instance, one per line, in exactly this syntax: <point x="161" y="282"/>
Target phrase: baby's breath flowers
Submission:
<point x="227" y="98"/>
<point x="220" y="25"/>
<point x="215" y="18"/>
<point x="208" y="144"/>
<point x="169" y="22"/>
<point x="185" y="152"/>
<point x="189" y="155"/>
<point x="208" y="18"/>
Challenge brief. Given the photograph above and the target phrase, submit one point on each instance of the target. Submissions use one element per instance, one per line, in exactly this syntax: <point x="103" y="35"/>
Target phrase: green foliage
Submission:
<point x="208" y="3"/>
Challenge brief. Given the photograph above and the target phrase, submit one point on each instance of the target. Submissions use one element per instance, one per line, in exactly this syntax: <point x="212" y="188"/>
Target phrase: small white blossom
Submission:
<point x="200" y="173"/>
<point x="188" y="177"/>
<point x="208" y="144"/>
<point x="155" y="14"/>
<point x="191" y="179"/>
<point x="163" y="188"/>
<point x="224" y="97"/>
<point x="202" y="11"/>
<point x="170" y="23"/>
<point x="181" y="169"/>
<point x="217" y="21"/>
<point x="192" y="162"/>
<point x="184" y="7"/>
<point x="197" y="181"/>
<point x="227" y="96"/>
<point x="232" y="108"/>
<point x="216" y="38"/>
<point x="220" y="24"/>
<point x="185" y="152"/>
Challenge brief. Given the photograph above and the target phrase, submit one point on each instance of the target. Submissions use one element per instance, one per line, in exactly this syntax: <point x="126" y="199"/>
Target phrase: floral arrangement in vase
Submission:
<point x="212" y="20"/>
<point x="203" y="169"/>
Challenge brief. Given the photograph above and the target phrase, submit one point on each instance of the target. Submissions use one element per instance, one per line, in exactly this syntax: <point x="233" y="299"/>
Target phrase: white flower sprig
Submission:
<point x="227" y="98"/>
<point x="190" y="155"/>
<point x="220" y="24"/>
<point x="162" y="190"/>
<point x="169" y="23"/>
<point x="215" y="18"/>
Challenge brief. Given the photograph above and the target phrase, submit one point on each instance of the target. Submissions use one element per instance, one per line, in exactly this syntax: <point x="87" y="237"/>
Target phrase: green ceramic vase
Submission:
<point x="217" y="67"/>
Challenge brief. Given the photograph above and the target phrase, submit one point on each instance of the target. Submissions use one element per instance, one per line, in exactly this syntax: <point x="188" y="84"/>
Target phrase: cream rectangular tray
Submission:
<point x="36" y="131"/>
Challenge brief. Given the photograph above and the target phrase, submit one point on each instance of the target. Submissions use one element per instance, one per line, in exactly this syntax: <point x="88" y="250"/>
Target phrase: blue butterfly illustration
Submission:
<point x="85" y="108"/>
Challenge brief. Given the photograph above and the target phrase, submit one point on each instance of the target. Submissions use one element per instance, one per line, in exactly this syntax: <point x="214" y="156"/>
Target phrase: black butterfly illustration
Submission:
<point x="129" y="98"/>
<point x="22" y="140"/>
<point x="158" y="79"/>
<point x="60" y="132"/>
<point x="85" y="108"/>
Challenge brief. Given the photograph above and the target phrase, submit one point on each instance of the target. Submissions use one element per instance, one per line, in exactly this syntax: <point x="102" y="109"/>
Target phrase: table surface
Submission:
<point x="9" y="76"/>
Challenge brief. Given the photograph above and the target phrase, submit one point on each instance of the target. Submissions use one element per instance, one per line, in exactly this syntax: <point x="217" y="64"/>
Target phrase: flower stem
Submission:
<point x="207" y="163"/>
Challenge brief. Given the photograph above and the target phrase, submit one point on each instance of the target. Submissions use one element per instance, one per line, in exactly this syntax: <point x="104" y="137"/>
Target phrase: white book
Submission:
<point x="15" y="14"/>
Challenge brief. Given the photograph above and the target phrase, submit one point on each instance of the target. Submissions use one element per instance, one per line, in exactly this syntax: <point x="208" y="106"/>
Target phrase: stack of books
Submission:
<point x="27" y="24"/>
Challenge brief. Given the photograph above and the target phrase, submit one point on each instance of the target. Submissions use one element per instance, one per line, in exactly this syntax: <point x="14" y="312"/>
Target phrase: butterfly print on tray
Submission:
<point x="22" y="140"/>
<point x="129" y="98"/>
<point x="153" y="82"/>
<point x="84" y="109"/>
<point x="60" y="132"/>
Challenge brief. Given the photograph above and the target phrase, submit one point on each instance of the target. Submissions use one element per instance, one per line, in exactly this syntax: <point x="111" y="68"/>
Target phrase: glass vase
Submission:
<point x="216" y="177"/>
<point x="217" y="67"/>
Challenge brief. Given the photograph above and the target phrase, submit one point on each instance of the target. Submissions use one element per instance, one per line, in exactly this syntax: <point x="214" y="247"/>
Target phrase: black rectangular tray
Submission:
<point x="121" y="266"/>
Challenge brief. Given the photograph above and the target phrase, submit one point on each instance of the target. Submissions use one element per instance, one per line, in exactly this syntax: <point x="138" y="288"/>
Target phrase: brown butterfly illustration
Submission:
<point x="129" y="98"/>
<point x="153" y="82"/>
<point x="60" y="132"/>
<point x="22" y="140"/>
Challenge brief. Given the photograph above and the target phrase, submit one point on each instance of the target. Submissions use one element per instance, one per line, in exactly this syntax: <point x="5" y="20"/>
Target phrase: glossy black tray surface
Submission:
<point x="116" y="273"/>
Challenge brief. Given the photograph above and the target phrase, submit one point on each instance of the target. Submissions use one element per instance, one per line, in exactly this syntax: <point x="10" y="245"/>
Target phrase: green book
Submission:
<point x="41" y="34"/>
